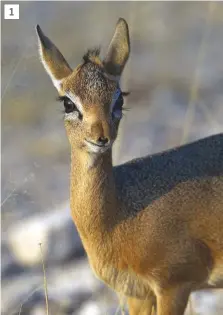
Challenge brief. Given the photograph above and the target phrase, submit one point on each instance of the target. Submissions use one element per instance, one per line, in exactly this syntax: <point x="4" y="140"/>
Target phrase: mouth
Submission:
<point x="95" y="147"/>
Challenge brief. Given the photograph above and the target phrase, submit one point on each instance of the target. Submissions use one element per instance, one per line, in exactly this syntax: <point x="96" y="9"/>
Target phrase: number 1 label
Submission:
<point x="11" y="11"/>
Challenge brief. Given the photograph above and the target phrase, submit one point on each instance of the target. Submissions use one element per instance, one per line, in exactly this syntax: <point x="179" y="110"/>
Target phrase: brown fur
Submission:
<point x="152" y="228"/>
<point x="90" y="84"/>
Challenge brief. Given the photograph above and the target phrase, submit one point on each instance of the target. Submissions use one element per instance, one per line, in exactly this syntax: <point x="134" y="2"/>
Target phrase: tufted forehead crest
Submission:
<point x="92" y="55"/>
<point x="91" y="84"/>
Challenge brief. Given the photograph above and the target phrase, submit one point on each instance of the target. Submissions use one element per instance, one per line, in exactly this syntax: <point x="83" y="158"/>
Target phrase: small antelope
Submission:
<point x="153" y="227"/>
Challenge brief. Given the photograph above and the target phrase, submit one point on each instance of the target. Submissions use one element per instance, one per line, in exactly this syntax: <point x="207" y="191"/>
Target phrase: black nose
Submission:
<point x="102" y="141"/>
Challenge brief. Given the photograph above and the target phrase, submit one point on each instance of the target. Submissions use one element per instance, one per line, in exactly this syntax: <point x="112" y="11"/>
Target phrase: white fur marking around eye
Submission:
<point x="76" y="100"/>
<point x="71" y="116"/>
<point x="56" y="83"/>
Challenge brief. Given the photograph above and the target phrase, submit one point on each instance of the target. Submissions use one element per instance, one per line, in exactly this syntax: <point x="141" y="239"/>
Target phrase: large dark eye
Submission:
<point x="117" y="109"/>
<point x="119" y="103"/>
<point x="69" y="106"/>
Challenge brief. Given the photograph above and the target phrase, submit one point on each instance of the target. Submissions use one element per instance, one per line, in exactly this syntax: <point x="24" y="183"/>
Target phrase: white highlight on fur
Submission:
<point x="93" y="148"/>
<point x="56" y="83"/>
<point x="76" y="100"/>
<point x="71" y="116"/>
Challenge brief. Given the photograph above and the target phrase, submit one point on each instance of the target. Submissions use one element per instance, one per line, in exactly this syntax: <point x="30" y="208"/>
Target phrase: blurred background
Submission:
<point x="175" y="76"/>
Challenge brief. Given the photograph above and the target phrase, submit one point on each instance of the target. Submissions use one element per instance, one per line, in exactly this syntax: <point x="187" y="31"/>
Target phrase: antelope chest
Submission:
<point x="125" y="282"/>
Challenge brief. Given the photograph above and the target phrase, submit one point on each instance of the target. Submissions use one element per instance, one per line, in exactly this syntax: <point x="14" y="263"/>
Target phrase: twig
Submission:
<point x="19" y="61"/>
<point x="9" y="195"/>
<point x="26" y="299"/>
<point x="44" y="280"/>
<point x="27" y="178"/>
<point x="121" y="306"/>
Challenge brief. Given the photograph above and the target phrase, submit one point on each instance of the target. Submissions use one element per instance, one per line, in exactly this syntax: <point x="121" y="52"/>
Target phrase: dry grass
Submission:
<point x="44" y="281"/>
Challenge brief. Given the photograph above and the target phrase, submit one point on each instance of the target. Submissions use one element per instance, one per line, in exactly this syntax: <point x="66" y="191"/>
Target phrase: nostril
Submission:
<point x="102" y="140"/>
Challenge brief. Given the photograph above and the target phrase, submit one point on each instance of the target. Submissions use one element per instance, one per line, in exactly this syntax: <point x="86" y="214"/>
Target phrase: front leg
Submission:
<point x="173" y="301"/>
<point x="141" y="307"/>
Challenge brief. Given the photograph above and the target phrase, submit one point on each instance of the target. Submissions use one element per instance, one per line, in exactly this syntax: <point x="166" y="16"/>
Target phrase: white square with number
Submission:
<point x="11" y="11"/>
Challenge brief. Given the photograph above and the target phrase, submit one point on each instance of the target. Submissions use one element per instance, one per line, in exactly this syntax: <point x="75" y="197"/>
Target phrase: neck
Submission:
<point x="93" y="198"/>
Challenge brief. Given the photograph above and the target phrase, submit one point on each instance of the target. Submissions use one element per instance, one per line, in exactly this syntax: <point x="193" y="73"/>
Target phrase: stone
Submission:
<point x="54" y="230"/>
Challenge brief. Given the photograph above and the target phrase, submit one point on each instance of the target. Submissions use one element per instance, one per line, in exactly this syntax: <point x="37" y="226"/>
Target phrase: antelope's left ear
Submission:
<point x="118" y="50"/>
<point x="52" y="59"/>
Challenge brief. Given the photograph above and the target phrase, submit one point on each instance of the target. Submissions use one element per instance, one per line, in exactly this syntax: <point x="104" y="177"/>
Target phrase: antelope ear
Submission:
<point x="118" y="50"/>
<point x="52" y="59"/>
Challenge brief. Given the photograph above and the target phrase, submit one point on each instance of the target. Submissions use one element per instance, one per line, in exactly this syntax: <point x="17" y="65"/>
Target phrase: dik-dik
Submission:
<point x="153" y="227"/>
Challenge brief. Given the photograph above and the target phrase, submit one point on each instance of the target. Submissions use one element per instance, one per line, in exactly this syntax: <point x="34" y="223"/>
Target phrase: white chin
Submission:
<point x="96" y="149"/>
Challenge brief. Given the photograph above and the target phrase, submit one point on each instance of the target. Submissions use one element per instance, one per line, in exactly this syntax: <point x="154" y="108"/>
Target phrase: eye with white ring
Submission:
<point x="117" y="104"/>
<point x="70" y="107"/>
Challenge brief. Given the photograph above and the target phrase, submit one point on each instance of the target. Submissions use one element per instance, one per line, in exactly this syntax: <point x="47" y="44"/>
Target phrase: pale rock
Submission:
<point x="90" y="308"/>
<point x="55" y="232"/>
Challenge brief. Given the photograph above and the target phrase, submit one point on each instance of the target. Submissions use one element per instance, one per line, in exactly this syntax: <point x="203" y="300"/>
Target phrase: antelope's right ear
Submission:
<point x="118" y="50"/>
<point x="52" y="59"/>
